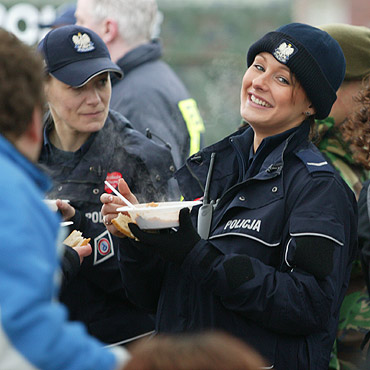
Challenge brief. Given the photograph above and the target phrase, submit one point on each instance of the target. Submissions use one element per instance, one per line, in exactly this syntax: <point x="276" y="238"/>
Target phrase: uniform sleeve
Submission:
<point x="364" y="232"/>
<point x="288" y="300"/>
<point x="142" y="274"/>
<point x="70" y="264"/>
<point x="93" y="272"/>
<point x="32" y="322"/>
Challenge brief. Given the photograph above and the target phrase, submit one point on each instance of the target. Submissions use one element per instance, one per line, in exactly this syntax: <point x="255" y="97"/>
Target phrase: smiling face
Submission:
<point x="272" y="101"/>
<point x="79" y="109"/>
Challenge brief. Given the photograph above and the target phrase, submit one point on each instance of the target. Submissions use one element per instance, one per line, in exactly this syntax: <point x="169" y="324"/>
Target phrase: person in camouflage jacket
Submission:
<point x="354" y="321"/>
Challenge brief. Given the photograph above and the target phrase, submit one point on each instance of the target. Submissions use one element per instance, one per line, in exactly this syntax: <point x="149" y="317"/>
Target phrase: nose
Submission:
<point x="93" y="96"/>
<point x="260" y="82"/>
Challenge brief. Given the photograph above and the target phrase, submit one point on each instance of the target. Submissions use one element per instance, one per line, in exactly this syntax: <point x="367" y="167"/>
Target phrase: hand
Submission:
<point x="112" y="202"/>
<point x="172" y="246"/>
<point x="83" y="251"/>
<point x="65" y="209"/>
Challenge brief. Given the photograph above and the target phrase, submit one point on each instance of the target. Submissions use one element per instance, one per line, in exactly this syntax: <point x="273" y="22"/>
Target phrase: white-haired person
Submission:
<point x="150" y="95"/>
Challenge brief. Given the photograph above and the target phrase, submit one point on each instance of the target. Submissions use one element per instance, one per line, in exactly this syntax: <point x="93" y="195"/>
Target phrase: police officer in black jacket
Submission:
<point x="85" y="144"/>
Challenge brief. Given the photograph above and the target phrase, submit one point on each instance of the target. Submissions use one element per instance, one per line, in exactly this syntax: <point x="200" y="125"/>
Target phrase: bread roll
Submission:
<point x="75" y="239"/>
<point x="121" y="223"/>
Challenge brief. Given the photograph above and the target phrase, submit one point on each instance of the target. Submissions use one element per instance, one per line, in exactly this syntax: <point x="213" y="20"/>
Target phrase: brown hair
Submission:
<point x="203" y="351"/>
<point x="356" y="129"/>
<point x="21" y="84"/>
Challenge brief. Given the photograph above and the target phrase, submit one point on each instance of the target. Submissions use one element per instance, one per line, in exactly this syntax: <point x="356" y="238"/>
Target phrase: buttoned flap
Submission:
<point x="322" y="224"/>
<point x="258" y="193"/>
<point x="256" y="232"/>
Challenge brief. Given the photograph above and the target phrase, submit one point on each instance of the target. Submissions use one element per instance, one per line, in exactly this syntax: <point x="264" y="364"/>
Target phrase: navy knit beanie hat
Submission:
<point x="314" y="57"/>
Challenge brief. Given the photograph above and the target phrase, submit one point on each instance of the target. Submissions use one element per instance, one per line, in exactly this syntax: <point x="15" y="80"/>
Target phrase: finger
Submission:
<point x="124" y="189"/>
<point x="84" y="250"/>
<point x="107" y="219"/>
<point x="106" y="198"/>
<point x="66" y="209"/>
<point x="148" y="238"/>
<point x="110" y="209"/>
<point x="112" y="230"/>
<point x="184" y="218"/>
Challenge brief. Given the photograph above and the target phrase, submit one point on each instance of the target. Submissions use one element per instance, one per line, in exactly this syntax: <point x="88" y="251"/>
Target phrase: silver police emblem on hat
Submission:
<point x="83" y="43"/>
<point x="283" y="52"/>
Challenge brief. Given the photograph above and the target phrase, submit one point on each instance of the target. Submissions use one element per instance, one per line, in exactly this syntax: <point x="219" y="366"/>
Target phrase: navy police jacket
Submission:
<point x="276" y="265"/>
<point x="96" y="295"/>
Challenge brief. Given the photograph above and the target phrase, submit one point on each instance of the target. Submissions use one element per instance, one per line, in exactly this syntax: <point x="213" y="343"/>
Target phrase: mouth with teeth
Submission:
<point x="260" y="102"/>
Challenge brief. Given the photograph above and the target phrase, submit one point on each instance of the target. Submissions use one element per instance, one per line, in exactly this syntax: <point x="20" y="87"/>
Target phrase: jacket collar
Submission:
<point x="232" y="155"/>
<point x="142" y="54"/>
<point x="269" y="156"/>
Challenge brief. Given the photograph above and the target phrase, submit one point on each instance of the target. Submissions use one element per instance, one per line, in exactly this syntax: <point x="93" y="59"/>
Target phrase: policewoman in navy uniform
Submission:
<point x="85" y="144"/>
<point x="272" y="264"/>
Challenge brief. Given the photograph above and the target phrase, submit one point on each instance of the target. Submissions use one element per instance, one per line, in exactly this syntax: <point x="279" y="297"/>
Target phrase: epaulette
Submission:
<point x="314" y="161"/>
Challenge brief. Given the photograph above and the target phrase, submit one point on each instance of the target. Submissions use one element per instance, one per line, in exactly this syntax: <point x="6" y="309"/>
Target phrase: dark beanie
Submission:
<point x="314" y="57"/>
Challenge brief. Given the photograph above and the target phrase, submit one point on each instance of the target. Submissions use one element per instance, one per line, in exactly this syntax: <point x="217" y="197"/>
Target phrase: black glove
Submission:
<point x="171" y="246"/>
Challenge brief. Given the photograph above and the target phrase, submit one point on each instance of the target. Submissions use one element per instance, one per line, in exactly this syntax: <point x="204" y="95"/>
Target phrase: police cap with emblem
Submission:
<point x="75" y="54"/>
<point x="315" y="58"/>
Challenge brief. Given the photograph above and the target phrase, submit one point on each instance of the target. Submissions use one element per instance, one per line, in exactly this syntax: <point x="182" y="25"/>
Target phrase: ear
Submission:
<point x="312" y="109"/>
<point x="30" y="142"/>
<point x="34" y="131"/>
<point x="109" y="30"/>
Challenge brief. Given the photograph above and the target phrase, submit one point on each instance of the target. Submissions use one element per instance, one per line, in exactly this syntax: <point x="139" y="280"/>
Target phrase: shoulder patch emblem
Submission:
<point x="103" y="247"/>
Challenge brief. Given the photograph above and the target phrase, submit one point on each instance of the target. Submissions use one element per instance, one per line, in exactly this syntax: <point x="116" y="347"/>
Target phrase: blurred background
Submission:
<point x="205" y="41"/>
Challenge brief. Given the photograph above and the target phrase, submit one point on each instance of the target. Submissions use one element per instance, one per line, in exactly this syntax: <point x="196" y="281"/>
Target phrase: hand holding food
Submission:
<point x="121" y="223"/>
<point x="110" y="205"/>
<point x="80" y="244"/>
<point x="75" y="239"/>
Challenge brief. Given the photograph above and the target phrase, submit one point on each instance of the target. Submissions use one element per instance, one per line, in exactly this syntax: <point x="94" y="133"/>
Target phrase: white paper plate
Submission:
<point x="162" y="216"/>
<point x="51" y="203"/>
<point x="66" y="223"/>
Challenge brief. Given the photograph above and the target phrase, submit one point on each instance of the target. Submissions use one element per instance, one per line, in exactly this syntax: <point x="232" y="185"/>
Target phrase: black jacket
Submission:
<point x="151" y="96"/>
<point x="276" y="265"/>
<point x="96" y="295"/>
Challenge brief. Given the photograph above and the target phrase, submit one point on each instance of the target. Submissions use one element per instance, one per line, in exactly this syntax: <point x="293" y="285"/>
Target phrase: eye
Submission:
<point x="283" y="80"/>
<point x="77" y="89"/>
<point x="102" y="82"/>
<point x="258" y="67"/>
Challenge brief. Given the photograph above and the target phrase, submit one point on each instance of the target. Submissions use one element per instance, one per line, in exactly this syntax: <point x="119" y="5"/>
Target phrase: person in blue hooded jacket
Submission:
<point x="86" y="144"/>
<point x="34" y="328"/>
<point x="272" y="264"/>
